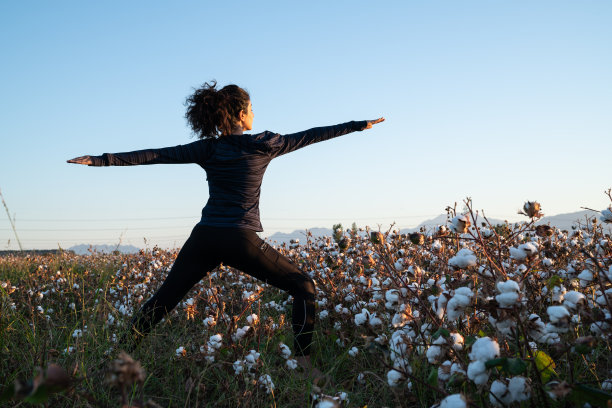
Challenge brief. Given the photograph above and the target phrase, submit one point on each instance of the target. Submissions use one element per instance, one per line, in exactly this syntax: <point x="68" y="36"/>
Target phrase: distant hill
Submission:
<point x="85" y="249"/>
<point x="282" y="237"/>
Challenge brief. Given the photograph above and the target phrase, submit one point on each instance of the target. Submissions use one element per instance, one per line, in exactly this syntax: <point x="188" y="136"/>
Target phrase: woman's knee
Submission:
<point x="304" y="286"/>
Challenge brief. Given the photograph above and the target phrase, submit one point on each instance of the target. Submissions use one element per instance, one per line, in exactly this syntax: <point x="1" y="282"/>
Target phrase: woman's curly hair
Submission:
<point x="212" y="113"/>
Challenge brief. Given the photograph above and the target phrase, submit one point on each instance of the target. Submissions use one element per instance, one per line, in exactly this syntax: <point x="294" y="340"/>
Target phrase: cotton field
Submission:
<point x="464" y="314"/>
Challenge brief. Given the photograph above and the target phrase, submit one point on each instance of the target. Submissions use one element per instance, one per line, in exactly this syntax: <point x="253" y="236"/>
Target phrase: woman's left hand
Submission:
<point x="374" y="122"/>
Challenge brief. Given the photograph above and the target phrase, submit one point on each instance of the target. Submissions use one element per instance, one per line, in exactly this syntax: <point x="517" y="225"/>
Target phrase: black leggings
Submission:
<point x="240" y="248"/>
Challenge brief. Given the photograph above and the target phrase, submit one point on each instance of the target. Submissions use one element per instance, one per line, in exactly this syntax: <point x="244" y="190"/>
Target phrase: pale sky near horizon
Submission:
<point x="500" y="101"/>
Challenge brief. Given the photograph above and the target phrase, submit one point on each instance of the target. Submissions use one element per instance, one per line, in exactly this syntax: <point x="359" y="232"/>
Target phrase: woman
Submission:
<point x="235" y="163"/>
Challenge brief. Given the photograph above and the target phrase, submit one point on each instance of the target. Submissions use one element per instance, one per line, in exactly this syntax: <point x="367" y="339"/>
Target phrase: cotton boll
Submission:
<point x="353" y="351"/>
<point x="457" y="341"/>
<point x="558" y="293"/>
<point x="284" y="350"/>
<point x="392" y="296"/>
<point x="507" y="299"/>
<point x="477" y="372"/>
<point x="458" y="303"/>
<point x="463" y="259"/>
<point x="238" y="366"/>
<point x="441" y="304"/>
<point x="394" y="377"/>
<point x="606" y="215"/>
<point x="362" y="317"/>
<point x="499" y="394"/>
<point x="557" y="314"/>
<point x="444" y="371"/>
<point x="519" y="388"/>
<point x="460" y="224"/>
<point x="253" y="319"/>
<point x="484" y="349"/>
<point x="573" y="299"/>
<point x="508" y="286"/>
<point x="453" y="401"/>
<point x="292" y="364"/>
<point x="240" y="333"/>
<point x="434" y="354"/>
<point x="586" y="277"/>
<point x="265" y="381"/>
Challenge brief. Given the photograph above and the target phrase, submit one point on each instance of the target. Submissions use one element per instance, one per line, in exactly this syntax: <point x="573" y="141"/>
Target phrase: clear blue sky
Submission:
<point x="502" y="101"/>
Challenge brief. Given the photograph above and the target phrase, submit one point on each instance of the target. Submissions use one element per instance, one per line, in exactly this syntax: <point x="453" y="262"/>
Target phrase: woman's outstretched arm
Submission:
<point x="282" y="144"/>
<point x="195" y="152"/>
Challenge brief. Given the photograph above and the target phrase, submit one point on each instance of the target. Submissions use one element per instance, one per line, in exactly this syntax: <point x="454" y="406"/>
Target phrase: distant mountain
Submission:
<point x="282" y="237"/>
<point x="85" y="249"/>
<point x="565" y="221"/>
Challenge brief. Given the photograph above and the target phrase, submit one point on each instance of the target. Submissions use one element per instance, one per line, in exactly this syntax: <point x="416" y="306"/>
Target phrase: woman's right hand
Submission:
<point x="82" y="160"/>
<point x="374" y="122"/>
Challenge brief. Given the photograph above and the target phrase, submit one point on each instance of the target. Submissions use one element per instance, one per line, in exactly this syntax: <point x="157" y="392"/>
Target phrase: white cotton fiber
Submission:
<point x="464" y="258"/>
<point x="453" y="401"/>
<point x="484" y="349"/>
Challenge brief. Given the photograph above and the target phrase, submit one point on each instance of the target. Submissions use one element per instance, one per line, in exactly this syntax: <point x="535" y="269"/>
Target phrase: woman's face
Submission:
<point x="246" y="118"/>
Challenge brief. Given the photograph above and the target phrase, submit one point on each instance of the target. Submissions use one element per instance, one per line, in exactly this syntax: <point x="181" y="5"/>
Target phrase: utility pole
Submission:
<point x="11" y="220"/>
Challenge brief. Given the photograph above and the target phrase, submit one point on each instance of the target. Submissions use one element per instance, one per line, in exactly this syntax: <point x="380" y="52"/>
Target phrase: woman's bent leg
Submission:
<point x="195" y="259"/>
<point x="254" y="256"/>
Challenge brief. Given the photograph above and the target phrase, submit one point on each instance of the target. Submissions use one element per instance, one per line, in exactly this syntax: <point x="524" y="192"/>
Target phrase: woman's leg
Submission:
<point x="195" y="259"/>
<point x="254" y="256"/>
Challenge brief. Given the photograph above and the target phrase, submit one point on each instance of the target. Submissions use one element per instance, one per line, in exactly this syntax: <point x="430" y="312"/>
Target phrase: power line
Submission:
<point x="195" y="218"/>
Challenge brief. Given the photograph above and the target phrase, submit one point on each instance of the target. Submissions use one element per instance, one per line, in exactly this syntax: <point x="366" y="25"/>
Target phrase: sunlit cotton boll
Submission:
<point x="606" y="215"/>
<point x="461" y="299"/>
<point x="209" y="321"/>
<point x="240" y="333"/>
<point x="253" y="319"/>
<point x="509" y="293"/>
<point x="464" y="258"/>
<point x="457" y="341"/>
<point x="453" y="401"/>
<point x="181" y="352"/>
<point x="524" y="251"/>
<point x="460" y="224"/>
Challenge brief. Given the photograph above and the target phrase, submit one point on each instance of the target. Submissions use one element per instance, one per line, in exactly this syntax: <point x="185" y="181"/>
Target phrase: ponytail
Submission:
<point x="212" y="113"/>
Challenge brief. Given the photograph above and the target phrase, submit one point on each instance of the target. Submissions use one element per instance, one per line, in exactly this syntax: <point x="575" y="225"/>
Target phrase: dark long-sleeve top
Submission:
<point x="234" y="165"/>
